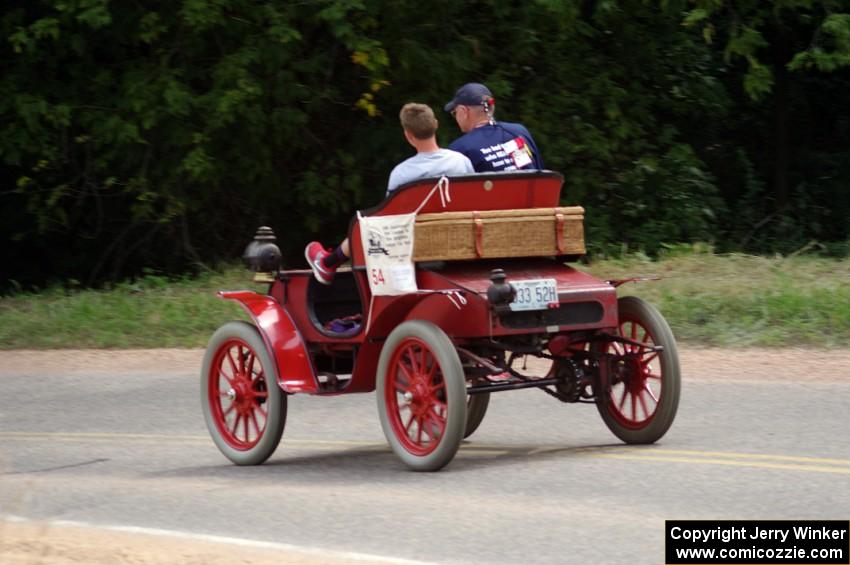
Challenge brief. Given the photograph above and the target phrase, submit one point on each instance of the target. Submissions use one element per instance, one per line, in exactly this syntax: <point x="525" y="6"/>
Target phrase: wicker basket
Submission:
<point x="531" y="232"/>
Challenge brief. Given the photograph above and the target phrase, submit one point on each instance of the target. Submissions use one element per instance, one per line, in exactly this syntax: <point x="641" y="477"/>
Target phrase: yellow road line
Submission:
<point x="82" y="436"/>
<point x="732" y="462"/>
<point x="642" y="453"/>
<point x="110" y="436"/>
<point x="800" y="458"/>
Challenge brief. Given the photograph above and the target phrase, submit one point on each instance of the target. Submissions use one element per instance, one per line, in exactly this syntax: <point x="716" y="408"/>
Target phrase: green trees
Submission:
<point x="134" y="137"/>
<point x="160" y="136"/>
<point x="791" y="57"/>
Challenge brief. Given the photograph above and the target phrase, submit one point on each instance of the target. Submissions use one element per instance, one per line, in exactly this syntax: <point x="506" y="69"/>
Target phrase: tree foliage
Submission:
<point x="159" y="135"/>
<point x="796" y="55"/>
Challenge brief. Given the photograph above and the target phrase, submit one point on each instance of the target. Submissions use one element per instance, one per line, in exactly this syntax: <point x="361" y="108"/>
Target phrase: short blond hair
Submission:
<point x="419" y="120"/>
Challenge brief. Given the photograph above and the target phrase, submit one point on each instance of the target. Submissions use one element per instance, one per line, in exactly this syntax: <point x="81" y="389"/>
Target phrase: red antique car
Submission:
<point x="483" y="303"/>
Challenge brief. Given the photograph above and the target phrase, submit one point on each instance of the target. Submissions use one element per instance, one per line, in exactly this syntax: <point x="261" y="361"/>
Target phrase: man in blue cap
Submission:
<point x="490" y="145"/>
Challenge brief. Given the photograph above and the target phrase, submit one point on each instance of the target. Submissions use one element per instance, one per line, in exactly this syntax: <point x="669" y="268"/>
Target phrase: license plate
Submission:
<point x="534" y="294"/>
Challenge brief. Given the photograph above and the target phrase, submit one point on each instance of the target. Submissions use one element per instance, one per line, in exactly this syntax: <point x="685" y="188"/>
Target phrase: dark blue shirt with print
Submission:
<point x="500" y="146"/>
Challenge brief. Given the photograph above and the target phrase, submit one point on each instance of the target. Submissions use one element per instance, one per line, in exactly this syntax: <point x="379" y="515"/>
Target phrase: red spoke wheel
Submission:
<point x="244" y="408"/>
<point x="421" y="395"/>
<point x="639" y="399"/>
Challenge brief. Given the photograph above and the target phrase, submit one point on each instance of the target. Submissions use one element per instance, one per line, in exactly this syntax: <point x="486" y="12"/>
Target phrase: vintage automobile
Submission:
<point x="494" y="286"/>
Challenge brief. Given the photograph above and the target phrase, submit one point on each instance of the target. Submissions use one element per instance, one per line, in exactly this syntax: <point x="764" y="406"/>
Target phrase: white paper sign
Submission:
<point x="388" y="249"/>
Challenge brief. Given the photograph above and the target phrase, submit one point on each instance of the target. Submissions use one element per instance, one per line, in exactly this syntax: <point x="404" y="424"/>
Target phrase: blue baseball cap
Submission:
<point x="470" y="94"/>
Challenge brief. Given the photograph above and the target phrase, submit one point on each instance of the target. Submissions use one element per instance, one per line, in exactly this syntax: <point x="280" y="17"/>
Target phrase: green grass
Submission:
<point x="728" y="301"/>
<point x="151" y="312"/>
<point x="743" y="300"/>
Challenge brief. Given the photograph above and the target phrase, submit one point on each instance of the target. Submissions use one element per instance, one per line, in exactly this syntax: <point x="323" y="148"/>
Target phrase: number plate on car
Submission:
<point x="534" y="294"/>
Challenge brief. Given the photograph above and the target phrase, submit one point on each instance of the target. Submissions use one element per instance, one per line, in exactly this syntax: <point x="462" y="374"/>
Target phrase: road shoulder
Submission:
<point x="789" y="364"/>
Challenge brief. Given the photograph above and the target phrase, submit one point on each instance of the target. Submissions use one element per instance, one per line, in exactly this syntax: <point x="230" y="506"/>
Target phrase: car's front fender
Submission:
<point x="295" y="371"/>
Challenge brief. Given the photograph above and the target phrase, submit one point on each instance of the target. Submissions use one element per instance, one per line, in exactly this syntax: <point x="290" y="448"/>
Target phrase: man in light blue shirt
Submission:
<point x="420" y="130"/>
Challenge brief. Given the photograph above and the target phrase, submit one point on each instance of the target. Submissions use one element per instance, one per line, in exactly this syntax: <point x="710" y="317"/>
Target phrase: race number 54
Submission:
<point x="378" y="277"/>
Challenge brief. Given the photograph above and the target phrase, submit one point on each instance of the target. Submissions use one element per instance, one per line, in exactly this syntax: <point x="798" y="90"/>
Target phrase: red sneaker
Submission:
<point x="315" y="253"/>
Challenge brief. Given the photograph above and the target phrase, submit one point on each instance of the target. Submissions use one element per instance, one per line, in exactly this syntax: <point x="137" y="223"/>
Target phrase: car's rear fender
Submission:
<point x="584" y="302"/>
<point x="458" y="312"/>
<point x="294" y="369"/>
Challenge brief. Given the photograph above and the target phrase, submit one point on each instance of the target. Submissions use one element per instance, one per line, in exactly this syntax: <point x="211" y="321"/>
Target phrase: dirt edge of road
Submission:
<point x="794" y="364"/>
<point x="66" y="544"/>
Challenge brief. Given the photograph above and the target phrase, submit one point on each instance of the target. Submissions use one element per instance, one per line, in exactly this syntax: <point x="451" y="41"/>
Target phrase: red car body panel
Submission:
<point x="293" y="293"/>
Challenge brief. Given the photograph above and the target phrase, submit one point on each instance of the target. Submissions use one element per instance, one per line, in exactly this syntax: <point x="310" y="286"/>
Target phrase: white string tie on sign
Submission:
<point x="456" y="297"/>
<point x="445" y="196"/>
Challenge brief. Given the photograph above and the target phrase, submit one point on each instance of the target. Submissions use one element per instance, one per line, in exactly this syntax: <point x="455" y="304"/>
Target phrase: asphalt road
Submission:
<point x="539" y="482"/>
